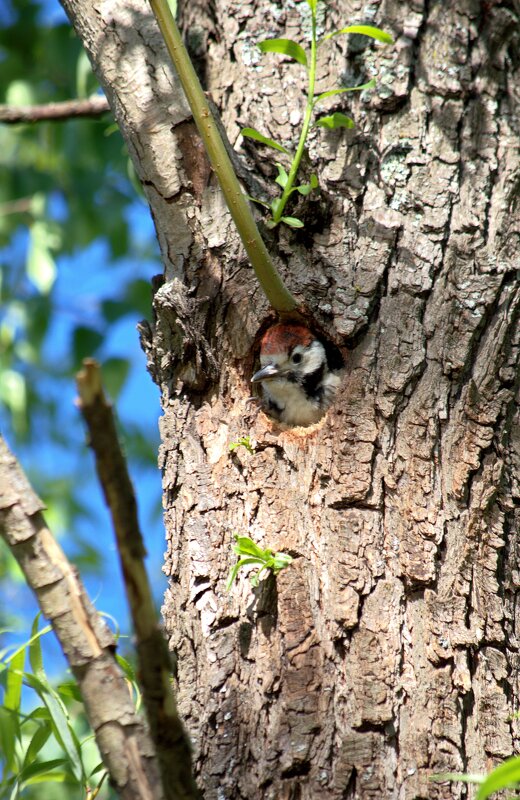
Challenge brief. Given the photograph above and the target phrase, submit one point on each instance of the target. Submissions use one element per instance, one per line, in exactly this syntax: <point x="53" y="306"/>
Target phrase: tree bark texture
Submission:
<point x="388" y="650"/>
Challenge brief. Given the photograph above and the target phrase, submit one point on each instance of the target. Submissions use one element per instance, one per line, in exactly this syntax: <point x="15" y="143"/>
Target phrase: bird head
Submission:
<point x="289" y="352"/>
<point x="296" y="380"/>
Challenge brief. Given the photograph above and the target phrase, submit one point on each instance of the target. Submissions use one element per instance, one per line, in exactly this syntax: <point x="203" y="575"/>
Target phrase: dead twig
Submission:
<point x="155" y="671"/>
<point x="88" y="645"/>
<point x="94" y="106"/>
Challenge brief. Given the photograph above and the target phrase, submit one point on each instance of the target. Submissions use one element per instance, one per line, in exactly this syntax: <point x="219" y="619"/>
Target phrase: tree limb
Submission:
<point x="94" y="106"/>
<point x="155" y="671"/>
<point x="86" y="641"/>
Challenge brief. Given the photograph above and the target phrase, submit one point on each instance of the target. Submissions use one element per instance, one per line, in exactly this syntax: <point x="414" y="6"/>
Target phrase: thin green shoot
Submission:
<point x="268" y="276"/>
<point x="307" y="59"/>
<point x="244" y="441"/>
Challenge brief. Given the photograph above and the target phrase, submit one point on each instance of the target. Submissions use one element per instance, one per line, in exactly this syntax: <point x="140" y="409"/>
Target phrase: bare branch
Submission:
<point x="171" y="741"/>
<point x="86" y="641"/>
<point x="94" y="106"/>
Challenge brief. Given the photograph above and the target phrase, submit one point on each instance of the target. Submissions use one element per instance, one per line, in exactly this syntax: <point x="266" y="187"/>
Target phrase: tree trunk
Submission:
<point x="387" y="651"/>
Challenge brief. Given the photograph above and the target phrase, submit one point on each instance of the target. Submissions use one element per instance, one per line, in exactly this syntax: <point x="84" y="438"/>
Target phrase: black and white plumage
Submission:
<point x="297" y="383"/>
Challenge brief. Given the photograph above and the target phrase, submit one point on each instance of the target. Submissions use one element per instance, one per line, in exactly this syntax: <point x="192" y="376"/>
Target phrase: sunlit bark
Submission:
<point x="388" y="650"/>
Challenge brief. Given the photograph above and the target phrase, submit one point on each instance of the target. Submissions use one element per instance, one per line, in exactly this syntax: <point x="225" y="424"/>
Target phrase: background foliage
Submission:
<point x="77" y="251"/>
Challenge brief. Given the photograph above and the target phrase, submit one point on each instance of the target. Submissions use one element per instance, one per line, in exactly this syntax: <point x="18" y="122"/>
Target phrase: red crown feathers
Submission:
<point x="283" y="337"/>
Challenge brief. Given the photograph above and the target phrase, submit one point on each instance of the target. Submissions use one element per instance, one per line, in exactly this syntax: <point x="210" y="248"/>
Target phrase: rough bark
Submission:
<point x="388" y="650"/>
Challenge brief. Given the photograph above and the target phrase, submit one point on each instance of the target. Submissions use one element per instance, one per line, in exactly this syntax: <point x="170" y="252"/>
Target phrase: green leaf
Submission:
<point x="61" y="725"/>
<point x="40" y="713"/>
<point x="370" y="85"/>
<point x="117" y="235"/>
<point x="115" y="372"/>
<point x="13" y="692"/>
<point x="275" y="204"/>
<point x="245" y="546"/>
<point x="35" y="745"/>
<point x="85" y="342"/>
<point x="312" y="5"/>
<point x="48" y="777"/>
<point x="37" y="635"/>
<point x="41" y="766"/>
<point x="8" y="737"/>
<point x="127" y="668"/>
<point x="505" y="776"/>
<point x="292" y="222"/>
<point x="40" y="266"/>
<point x="286" y="47"/>
<point x="85" y="80"/>
<point x="35" y="650"/>
<point x="314" y="181"/>
<point x="241" y="563"/>
<point x="13" y="394"/>
<point x="113" y="310"/>
<point x="65" y="735"/>
<point x="70" y="690"/>
<point x="283" y="177"/>
<point x="244" y="441"/>
<point x="138" y="295"/>
<point x="260" y="202"/>
<point x="129" y="673"/>
<point x="304" y="189"/>
<point x="255" y="555"/>
<point x="336" y="120"/>
<point x="366" y="30"/>
<point x="20" y="93"/>
<point x="99" y="768"/>
<point x="251" y="133"/>
<point x="232" y="575"/>
<point x="280" y="561"/>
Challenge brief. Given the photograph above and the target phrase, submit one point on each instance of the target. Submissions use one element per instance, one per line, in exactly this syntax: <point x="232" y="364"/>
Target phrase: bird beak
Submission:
<point x="266" y="373"/>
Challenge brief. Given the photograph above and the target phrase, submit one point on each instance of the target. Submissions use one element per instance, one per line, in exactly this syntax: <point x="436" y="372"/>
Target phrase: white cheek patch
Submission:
<point x="313" y="358"/>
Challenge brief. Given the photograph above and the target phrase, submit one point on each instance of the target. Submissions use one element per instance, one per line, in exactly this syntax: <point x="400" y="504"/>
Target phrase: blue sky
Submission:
<point x="82" y="280"/>
<point x="85" y="279"/>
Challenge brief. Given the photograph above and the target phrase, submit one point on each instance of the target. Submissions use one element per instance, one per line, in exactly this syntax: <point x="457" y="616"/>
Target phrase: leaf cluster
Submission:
<point x="65" y="186"/>
<point x="251" y="553"/>
<point x="244" y="441"/>
<point x="307" y="59"/>
<point x="52" y="744"/>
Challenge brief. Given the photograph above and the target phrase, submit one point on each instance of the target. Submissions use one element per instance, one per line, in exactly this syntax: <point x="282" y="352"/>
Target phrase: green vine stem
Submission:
<point x="309" y="108"/>
<point x="268" y="276"/>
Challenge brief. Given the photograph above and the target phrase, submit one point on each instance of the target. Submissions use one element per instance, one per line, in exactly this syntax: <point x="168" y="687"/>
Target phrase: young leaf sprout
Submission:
<point x="307" y="59"/>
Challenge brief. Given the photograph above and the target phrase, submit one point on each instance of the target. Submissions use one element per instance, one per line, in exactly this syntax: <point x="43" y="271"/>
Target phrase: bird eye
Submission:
<point x="297" y="357"/>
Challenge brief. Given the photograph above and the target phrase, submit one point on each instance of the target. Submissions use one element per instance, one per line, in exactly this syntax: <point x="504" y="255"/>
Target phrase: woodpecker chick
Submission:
<point x="297" y="383"/>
